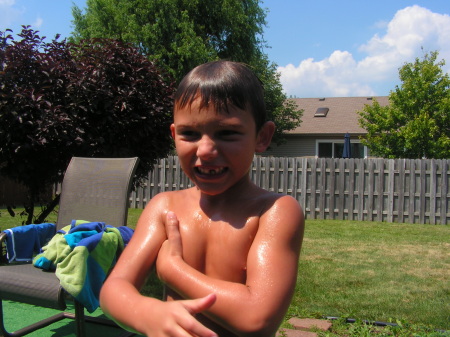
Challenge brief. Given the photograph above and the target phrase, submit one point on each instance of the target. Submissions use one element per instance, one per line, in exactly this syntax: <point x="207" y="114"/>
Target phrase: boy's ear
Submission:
<point x="264" y="136"/>
<point x="172" y="130"/>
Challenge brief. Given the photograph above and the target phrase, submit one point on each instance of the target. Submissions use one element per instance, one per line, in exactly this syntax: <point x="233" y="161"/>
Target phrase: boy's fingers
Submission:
<point x="202" y="331"/>
<point x="171" y="224"/>
<point x="200" y="304"/>
<point x="173" y="233"/>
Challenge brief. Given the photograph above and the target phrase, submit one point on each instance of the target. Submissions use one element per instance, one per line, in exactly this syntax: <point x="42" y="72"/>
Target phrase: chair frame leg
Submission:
<point x="30" y="328"/>
<point x="79" y="317"/>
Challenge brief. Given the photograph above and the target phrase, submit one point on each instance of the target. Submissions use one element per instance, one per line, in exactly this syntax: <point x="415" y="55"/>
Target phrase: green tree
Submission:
<point x="96" y="98"/>
<point x="181" y="34"/>
<point x="416" y="123"/>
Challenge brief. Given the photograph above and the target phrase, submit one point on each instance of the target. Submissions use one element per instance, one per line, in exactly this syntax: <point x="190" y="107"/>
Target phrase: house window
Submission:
<point x="325" y="150"/>
<point x="334" y="148"/>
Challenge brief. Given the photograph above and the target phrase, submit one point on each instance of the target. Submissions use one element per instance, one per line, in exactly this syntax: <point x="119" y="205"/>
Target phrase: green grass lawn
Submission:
<point x="365" y="270"/>
<point x="375" y="271"/>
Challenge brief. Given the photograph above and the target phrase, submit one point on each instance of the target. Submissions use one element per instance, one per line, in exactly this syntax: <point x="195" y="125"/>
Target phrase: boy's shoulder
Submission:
<point x="271" y="204"/>
<point x="167" y="199"/>
<point x="273" y="197"/>
<point x="176" y="194"/>
<point x="281" y="203"/>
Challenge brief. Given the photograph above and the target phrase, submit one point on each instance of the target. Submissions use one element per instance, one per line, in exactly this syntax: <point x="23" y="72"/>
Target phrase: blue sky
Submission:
<point x="323" y="48"/>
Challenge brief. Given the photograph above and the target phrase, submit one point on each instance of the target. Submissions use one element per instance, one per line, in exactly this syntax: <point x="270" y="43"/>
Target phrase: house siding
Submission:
<point x="295" y="146"/>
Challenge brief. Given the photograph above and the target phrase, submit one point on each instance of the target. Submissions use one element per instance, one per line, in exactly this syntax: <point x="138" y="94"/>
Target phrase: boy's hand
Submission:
<point x="175" y="318"/>
<point x="171" y="250"/>
<point x="173" y="235"/>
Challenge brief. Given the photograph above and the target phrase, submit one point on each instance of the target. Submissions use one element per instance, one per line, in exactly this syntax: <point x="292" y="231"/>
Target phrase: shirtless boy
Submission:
<point x="226" y="249"/>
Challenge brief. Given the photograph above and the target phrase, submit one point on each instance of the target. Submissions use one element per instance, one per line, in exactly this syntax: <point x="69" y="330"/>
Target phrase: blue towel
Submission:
<point x="24" y="241"/>
<point x="83" y="253"/>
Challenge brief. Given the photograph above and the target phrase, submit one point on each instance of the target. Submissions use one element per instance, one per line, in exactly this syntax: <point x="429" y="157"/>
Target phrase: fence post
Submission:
<point x="444" y="192"/>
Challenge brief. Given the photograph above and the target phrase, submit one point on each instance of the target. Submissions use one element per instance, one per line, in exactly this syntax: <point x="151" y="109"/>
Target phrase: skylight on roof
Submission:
<point x="321" y="112"/>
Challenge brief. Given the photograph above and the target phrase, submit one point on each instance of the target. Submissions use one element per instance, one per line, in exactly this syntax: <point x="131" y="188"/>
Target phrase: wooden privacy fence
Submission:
<point x="390" y="190"/>
<point x="11" y="193"/>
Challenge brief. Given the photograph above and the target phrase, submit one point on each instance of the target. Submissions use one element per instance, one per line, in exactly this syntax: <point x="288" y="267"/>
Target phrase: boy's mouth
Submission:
<point x="210" y="171"/>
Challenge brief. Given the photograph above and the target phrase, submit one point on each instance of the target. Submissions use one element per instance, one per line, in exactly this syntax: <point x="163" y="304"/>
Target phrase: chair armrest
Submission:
<point x="23" y="242"/>
<point x="3" y="259"/>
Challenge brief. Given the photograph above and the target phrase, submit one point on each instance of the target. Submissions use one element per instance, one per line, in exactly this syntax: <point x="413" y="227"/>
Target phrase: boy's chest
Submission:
<point x="218" y="249"/>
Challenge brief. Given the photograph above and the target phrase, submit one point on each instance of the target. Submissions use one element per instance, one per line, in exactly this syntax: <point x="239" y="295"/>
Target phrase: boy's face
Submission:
<point x="216" y="149"/>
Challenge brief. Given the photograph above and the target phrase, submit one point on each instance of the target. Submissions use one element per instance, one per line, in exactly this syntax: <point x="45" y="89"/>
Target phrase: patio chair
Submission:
<point x="93" y="189"/>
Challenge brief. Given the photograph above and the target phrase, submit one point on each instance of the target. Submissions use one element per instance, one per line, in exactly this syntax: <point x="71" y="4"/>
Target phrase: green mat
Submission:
<point x="18" y="315"/>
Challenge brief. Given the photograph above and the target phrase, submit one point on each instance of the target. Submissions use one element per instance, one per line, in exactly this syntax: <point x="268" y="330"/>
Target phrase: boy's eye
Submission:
<point x="228" y="134"/>
<point x="189" y="135"/>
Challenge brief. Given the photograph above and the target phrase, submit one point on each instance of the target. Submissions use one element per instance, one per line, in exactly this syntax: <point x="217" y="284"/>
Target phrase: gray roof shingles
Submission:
<point x="342" y="116"/>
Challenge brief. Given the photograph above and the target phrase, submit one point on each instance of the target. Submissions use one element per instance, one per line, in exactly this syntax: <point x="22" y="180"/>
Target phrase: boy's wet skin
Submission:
<point x="226" y="249"/>
<point x="216" y="150"/>
<point x="217" y="244"/>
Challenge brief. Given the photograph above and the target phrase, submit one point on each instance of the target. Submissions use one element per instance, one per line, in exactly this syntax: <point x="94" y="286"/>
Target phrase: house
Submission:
<point x="325" y="122"/>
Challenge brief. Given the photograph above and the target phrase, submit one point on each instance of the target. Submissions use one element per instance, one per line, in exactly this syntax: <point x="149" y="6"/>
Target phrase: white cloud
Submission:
<point x="341" y="75"/>
<point x="381" y="24"/>
<point x="9" y="13"/>
<point x="330" y="77"/>
<point x="37" y="23"/>
<point x="7" y="3"/>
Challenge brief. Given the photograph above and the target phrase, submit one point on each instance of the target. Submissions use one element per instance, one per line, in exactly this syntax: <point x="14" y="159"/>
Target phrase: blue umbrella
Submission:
<point x="347" y="152"/>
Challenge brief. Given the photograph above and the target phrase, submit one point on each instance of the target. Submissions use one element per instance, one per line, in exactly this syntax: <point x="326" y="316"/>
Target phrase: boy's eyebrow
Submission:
<point x="190" y="125"/>
<point x="232" y="125"/>
<point x="235" y="127"/>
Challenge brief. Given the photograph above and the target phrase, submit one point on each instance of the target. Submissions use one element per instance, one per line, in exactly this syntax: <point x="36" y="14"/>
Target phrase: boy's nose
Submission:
<point x="206" y="148"/>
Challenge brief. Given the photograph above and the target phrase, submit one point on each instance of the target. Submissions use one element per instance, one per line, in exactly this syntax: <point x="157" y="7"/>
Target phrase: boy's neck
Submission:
<point x="241" y="190"/>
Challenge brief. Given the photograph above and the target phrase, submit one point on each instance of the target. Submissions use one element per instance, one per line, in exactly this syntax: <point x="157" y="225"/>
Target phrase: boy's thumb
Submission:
<point x="171" y="224"/>
<point x="200" y="304"/>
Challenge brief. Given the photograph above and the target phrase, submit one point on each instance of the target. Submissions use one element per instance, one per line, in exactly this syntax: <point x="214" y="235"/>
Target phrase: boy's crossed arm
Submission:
<point x="121" y="299"/>
<point x="258" y="306"/>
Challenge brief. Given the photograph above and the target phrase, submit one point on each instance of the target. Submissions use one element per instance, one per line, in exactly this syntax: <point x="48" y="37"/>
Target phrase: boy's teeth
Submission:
<point x="209" y="171"/>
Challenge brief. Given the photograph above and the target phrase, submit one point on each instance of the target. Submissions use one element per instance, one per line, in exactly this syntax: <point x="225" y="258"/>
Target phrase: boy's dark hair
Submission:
<point x="222" y="83"/>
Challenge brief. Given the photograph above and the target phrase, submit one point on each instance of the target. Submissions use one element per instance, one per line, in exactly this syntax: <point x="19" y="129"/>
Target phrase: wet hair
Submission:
<point x="223" y="83"/>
